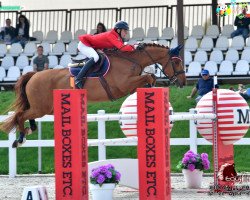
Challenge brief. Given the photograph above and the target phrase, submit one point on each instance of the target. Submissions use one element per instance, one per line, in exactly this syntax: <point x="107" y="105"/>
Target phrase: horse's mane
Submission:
<point x="116" y="52"/>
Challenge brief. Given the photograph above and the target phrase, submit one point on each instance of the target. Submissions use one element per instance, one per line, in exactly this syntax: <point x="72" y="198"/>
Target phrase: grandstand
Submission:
<point x="206" y="45"/>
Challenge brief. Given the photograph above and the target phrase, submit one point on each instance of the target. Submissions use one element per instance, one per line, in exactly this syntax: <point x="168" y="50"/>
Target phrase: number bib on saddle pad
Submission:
<point x="99" y="69"/>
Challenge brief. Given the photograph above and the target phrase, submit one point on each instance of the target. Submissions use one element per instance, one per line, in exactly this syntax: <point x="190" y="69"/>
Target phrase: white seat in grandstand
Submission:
<point x="211" y="66"/>
<point x="167" y="34"/>
<point x="46" y="48"/>
<point x="186" y="32"/>
<point x="153" y="33"/>
<point x="92" y="31"/>
<point x="132" y="42"/>
<point x="194" y="69"/>
<point x="22" y="61"/>
<point x="213" y="31"/>
<point x="78" y="33"/>
<point x="174" y="43"/>
<point x="163" y="42"/>
<point x="226" y="68"/>
<point x="207" y="44"/>
<point x="2" y="73"/>
<point x="197" y="32"/>
<point x="52" y="37"/>
<point x="7" y="62"/>
<point x="58" y="67"/>
<point x="242" y="68"/>
<point x="216" y="56"/>
<point x="191" y="44"/>
<point x="147" y="41"/>
<point x="246" y="55"/>
<point x="31" y="61"/>
<point x="138" y="33"/>
<point x="58" y="49"/>
<point x="232" y="55"/>
<point x="53" y="61"/>
<point x="72" y="48"/>
<point x="222" y="43"/>
<point x="15" y="50"/>
<point x="27" y="69"/>
<point x="66" y="37"/>
<point x="201" y="57"/>
<point x="65" y="60"/>
<point x="13" y="74"/>
<point x="187" y="57"/>
<point x="29" y="49"/>
<point x="237" y="43"/>
<point x="38" y="35"/>
<point x="3" y="50"/>
<point x="227" y="30"/>
<point x="247" y="43"/>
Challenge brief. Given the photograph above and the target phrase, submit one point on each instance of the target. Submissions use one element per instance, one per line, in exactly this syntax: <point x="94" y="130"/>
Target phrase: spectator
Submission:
<point x="22" y="31"/>
<point x="41" y="62"/>
<point x="100" y="28"/>
<point x="203" y="86"/>
<point x="7" y="32"/>
<point x="242" y="23"/>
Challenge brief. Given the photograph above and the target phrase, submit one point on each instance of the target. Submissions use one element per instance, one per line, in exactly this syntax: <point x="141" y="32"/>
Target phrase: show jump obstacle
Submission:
<point x="153" y="124"/>
<point x="71" y="149"/>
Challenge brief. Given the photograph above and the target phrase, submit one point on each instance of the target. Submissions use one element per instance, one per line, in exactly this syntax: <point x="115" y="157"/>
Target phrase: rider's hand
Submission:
<point x="140" y="46"/>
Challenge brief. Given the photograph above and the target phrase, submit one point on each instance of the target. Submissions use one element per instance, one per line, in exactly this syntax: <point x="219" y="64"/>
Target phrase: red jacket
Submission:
<point x="106" y="40"/>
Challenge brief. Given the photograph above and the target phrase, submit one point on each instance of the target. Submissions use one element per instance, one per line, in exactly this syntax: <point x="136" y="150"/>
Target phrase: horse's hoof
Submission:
<point x="15" y="144"/>
<point x="27" y="131"/>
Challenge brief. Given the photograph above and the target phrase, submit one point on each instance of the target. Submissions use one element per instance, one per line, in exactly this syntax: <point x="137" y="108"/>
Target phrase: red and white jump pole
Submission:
<point x="71" y="149"/>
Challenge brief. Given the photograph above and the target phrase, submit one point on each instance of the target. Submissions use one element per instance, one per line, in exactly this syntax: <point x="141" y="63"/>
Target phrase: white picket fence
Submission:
<point x="101" y="117"/>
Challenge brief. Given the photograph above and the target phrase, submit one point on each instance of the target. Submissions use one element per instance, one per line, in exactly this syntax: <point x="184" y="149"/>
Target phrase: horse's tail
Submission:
<point x="20" y="105"/>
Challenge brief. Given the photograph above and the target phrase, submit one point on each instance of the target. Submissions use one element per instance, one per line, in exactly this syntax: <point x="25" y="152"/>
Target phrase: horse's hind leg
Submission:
<point x="29" y="114"/>
<point x="32" y="128"/>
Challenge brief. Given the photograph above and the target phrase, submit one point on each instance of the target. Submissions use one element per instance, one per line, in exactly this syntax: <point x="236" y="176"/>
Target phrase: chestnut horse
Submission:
<point x="34" y="91"/>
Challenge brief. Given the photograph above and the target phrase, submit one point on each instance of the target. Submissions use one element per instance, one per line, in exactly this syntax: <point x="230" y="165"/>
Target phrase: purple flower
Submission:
<point x="110" y="166"/>
<point x="94" y="174"/>
<point x="204" y="156"/>
<point x="100" y="179"/>
<point x="117" y="176"/>
<point x="191" y="167"/>
<point x="108" y="174"/>
<point x="185" y="160"/>
<point x="103" y="169"/>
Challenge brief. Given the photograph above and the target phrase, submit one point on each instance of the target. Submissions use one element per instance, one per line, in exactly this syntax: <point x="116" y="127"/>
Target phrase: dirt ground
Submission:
<point x="12" y="188"/>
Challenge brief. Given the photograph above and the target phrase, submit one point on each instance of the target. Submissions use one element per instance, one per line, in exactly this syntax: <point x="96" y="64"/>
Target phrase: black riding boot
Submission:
<point x="83" y="72"/>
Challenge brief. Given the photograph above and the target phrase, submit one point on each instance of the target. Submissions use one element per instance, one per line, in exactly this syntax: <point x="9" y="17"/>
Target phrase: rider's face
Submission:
<point x="124" y="33"/>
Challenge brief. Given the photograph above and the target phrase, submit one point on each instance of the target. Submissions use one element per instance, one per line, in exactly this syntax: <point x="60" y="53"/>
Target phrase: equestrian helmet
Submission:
<point x="121" y="25"/>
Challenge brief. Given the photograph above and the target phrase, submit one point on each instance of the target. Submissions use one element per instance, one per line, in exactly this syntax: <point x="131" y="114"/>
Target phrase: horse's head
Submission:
<point x="170" y="61"/>
<point x="176" y="71"/>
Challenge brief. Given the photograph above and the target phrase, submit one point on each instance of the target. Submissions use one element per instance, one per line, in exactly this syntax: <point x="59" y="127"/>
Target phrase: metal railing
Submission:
<point x="145" y="17"/>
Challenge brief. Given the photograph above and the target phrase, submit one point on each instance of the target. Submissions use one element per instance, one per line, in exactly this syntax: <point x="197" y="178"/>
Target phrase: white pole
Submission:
<point x="215" y="81"/>
<point x="12" y="155"/>
<point x="39" y="148"/>
<point x="193" y="132"/>
<point x="101" y="136"/>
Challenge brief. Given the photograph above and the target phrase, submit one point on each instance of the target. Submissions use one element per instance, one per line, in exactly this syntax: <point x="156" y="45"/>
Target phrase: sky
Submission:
<point x="71" y="4"/>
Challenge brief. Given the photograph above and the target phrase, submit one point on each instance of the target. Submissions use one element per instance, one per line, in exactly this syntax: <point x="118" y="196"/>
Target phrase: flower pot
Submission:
<point x="193" y="178"/>
<point x="104" y="192"/>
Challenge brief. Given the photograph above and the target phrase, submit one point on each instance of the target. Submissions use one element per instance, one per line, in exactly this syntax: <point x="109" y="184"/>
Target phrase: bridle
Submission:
<point x="171" y="59"/>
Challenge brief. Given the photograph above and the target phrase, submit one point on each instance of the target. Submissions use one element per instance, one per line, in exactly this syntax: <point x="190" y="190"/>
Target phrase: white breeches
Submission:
<point x="88" y="51"/>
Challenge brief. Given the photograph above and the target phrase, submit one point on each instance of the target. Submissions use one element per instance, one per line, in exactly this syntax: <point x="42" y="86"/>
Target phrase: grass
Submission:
<point x="27" y="157"/>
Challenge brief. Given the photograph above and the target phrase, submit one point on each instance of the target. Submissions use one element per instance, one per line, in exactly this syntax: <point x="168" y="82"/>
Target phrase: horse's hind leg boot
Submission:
<point x="83" y="72"/>
<point x="33" y="126"/>
<point x="19" y="141"/>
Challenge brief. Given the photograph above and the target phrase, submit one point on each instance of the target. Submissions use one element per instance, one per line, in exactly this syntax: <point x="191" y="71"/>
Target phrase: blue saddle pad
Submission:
<point x="102" y="71"/>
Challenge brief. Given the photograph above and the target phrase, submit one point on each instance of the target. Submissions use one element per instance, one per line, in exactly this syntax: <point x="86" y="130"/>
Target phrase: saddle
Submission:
<point x="99" y="69"/>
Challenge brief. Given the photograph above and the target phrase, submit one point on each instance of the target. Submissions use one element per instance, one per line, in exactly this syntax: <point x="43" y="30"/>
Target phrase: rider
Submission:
<point x="111" y="39"/>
